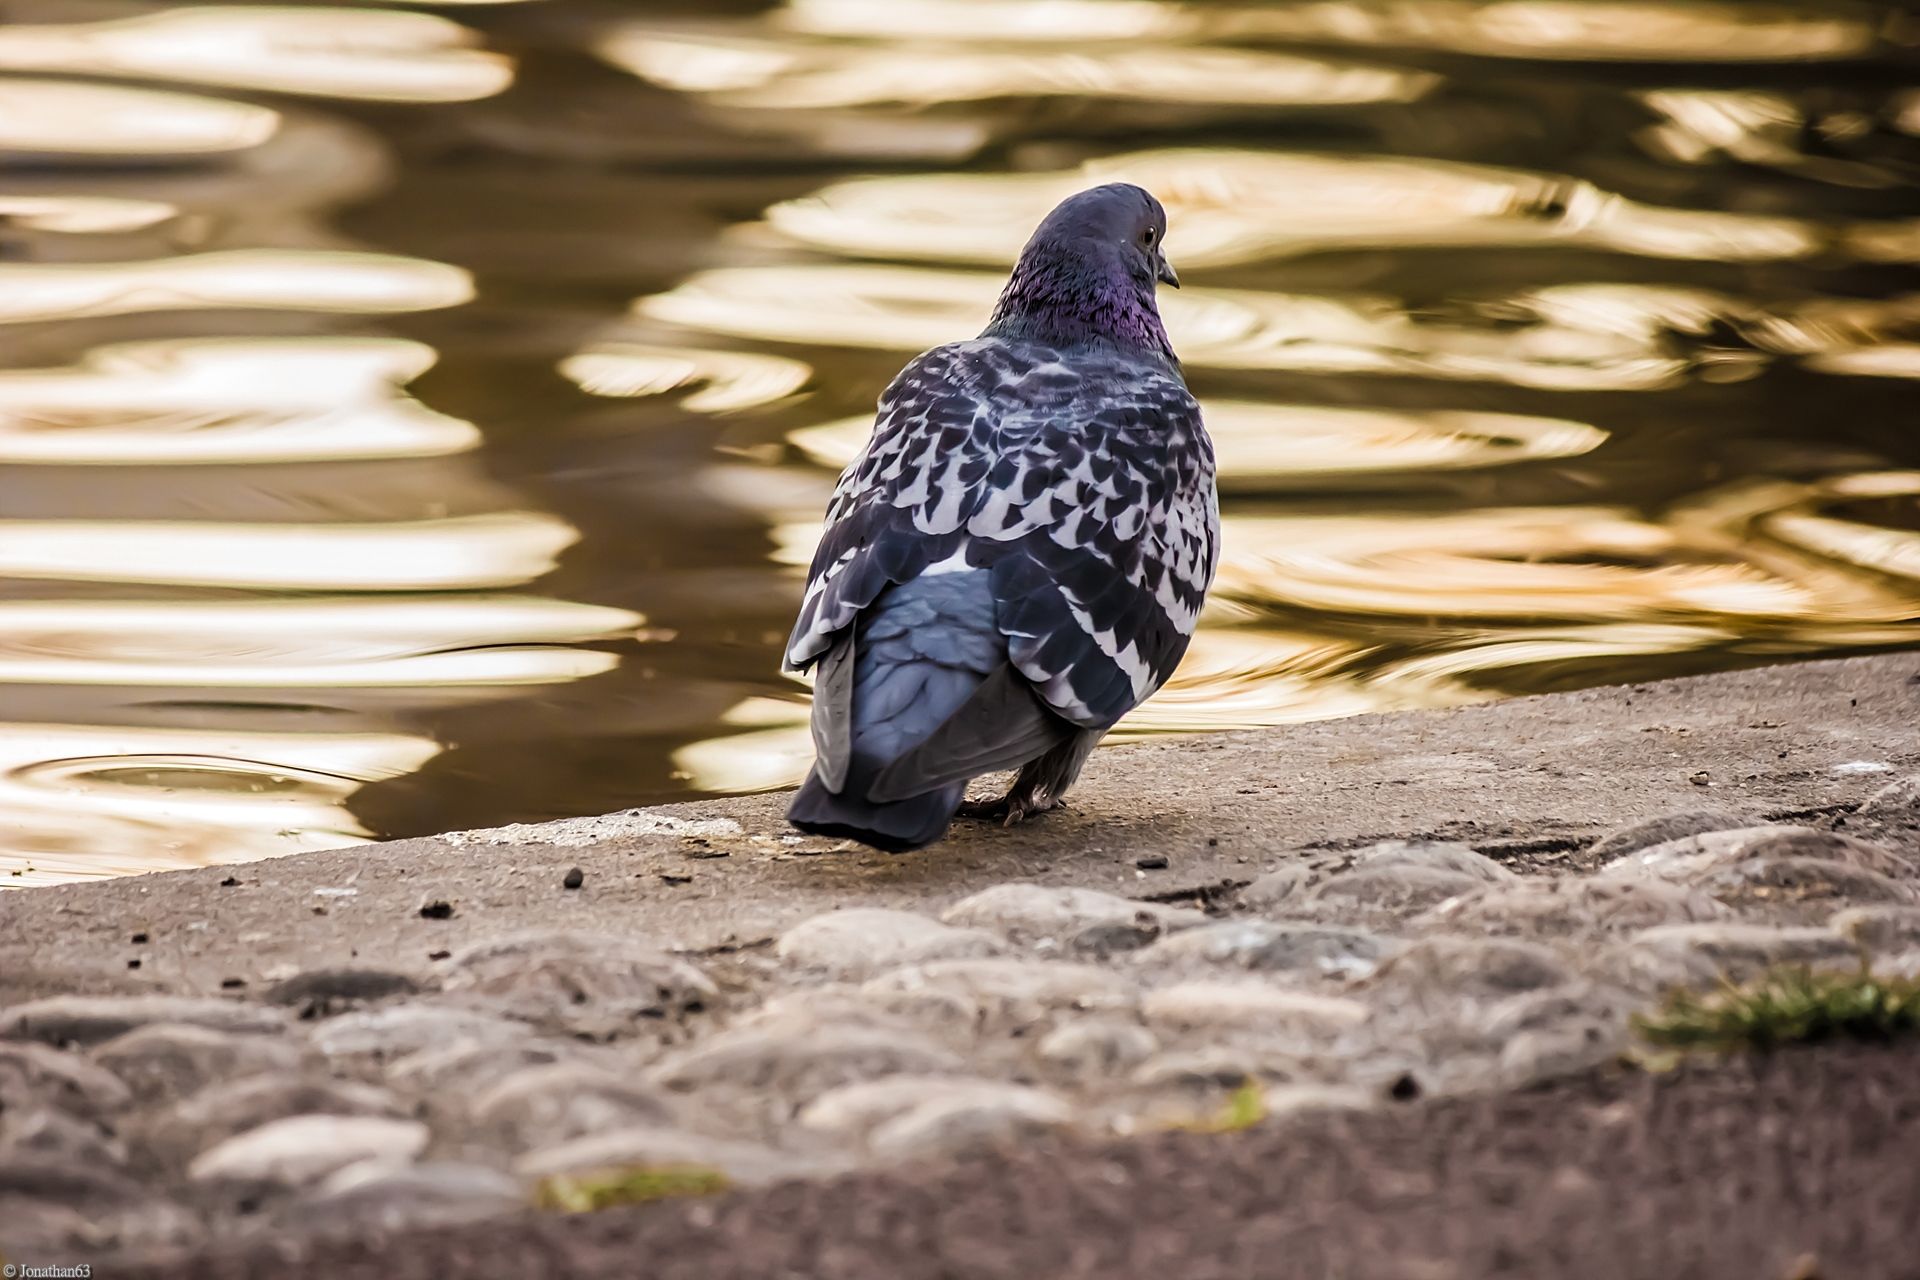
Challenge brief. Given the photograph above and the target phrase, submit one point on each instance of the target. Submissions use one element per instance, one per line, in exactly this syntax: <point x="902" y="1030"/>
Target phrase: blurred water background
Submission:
<point x="416" y="417"/>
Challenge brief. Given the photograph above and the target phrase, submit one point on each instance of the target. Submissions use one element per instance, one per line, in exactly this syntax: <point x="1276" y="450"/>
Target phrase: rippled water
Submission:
<point x="414" y="419"/>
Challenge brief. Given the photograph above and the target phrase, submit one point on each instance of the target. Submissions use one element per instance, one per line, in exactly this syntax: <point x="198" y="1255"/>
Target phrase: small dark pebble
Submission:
<point x="229" y="882"/>
<point x="232" y="984"/>
<point x="437" y="911"/>
<point x="706" y="853"/>
<point x="133" y="964"/>
<point x="138" y="938"/>
<point x="573" y="879"/>
<point x="330" y="991"/>
<point x="1151" y="862"/>
<point x="438" y="955"/>
<point x="1405" y="1089"/>
<point x="670" y="878"/>
<point x="1113" y="937"/>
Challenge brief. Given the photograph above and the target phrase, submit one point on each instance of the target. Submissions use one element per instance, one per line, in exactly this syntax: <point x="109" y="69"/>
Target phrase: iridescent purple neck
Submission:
<point x="1068" y="296"/>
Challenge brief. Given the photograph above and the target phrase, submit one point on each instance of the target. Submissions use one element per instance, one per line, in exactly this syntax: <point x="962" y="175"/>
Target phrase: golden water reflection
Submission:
<point x="1230" y="206"/>
<point x="336" y="52"/>
<point x="1263" y="445"/>
<point x="74" y="118"/>
<point x="291" y="279"/>
<point x="715" y="381"/>
<point x="343" y="492"/>
<point x="1573" y="338"/>
<point x="227" y="400"/>
<point x="1598" y="29"/>
<point x="90" y="800"/>
<point x="785" y="75"/>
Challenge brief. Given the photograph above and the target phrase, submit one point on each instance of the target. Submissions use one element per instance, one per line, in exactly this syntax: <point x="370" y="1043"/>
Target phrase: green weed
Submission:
<point x="1786" y="1007"/>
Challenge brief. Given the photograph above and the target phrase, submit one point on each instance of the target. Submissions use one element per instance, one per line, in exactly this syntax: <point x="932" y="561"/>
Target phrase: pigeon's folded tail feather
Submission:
<point x="896" y="827"/>
<point x="912" y="702"/>
<point x="1002" y="725"/>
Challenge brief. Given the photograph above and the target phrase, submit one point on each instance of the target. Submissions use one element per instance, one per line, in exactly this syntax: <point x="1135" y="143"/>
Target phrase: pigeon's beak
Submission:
<point x="1163" y="271"/>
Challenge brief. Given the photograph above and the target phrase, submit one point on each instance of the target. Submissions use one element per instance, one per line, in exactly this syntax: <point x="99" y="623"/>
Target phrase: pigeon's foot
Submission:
<point x="1009" y="810"/>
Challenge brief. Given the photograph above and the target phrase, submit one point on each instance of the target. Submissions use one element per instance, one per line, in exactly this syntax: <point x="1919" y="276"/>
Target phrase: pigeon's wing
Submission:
<point x="1103" y="530"/>
<point x="901" y="507"/>
<point x="1085" y="483"/>
<point x="832" y="715"/>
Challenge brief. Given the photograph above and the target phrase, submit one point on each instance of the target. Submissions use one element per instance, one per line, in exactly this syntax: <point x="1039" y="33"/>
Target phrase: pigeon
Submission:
<point x="1018" y="557"/>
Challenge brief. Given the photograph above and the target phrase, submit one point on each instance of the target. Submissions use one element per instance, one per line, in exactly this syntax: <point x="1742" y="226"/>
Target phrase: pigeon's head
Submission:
<point x="1117" y="220"/>
<point x="1088" y="274"/>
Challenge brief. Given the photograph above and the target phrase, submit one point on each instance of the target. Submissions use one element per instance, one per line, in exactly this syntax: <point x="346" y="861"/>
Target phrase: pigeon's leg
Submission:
<point x="1040" y="785"/>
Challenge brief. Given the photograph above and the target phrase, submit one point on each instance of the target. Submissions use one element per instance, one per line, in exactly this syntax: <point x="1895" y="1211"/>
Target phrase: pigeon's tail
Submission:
<point x="895" y="827"/>
<point x="908" y="705"/>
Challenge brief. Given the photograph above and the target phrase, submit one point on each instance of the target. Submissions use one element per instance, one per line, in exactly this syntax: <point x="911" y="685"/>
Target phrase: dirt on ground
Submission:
<point x="1788" y="1167"/>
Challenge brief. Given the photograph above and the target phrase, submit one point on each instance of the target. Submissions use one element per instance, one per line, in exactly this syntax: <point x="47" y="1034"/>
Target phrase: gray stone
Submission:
<point x="952" y="1122"/>
<point x="1002" y="991"/>
<point x="1548" y="1053"/>
<point x="864" y="941"/>
<point x="1771" y="881"/>
<point x="1434" y="855"/>
<point x="1032" y="911"/>
<point x="470" y="1065"/>
<point x="226" y="1109"/>
<point x="87" y="1020"/>
<point x="658" y="1147"/>
<point x="1673" y="826"/>
<point x="1449" y="968"/>
<point x="1099" y="941"/>
<point x="1581" y="1004"/>
<point x="36" y="1226"/>
<point x="166" y="1060"/>
<point x="1699" y="954"/>
<point x="322" y="993"/>
<point x="1096" y="1047"/>
<point x="34" y="1073"/>
<point x="1278" y="887"/>
<point x="542" y="1105"/>
<point x="800" y="1060"/>
<point x="1393" y="874"/>
<point x="1904" y="965"/>
<point x="596" y="984"/>
<point x="1897" y="802"/>
<point x="1272" y="946"/>
<point x="56" y="1203"/>
<point x="1544" y="1034"/>
<point x="1250" y="1004"/>
<point x="1572" y="906"/>
<point x="1219" y="1067"/>
<point x="373" y="1196"/>
<point x="300" y="1150"/>
<point x="1693" y="859"/>
<point x="923" y="1111"/>
<point x="1393" y="887"/>
<point x="397" y="1030"/>
<point x="1880" y="929"/>
<point x="47" y="1133"/>
<point x="843" y="1003"/>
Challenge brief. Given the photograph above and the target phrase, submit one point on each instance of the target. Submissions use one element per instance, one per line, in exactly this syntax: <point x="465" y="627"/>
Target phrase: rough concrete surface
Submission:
<point x="1415" y="938"/>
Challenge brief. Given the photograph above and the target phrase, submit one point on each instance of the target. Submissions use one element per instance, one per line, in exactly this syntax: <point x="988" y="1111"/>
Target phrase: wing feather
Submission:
<point x="1084" y="481"/>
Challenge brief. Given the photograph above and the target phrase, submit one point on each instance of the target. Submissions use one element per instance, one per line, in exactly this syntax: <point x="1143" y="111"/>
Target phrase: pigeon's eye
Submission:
<point x="1146" y="237"/>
